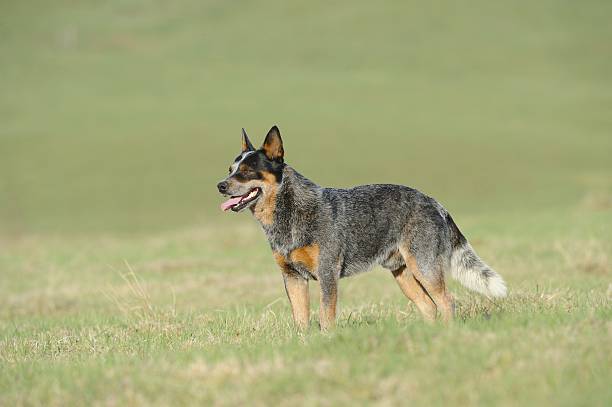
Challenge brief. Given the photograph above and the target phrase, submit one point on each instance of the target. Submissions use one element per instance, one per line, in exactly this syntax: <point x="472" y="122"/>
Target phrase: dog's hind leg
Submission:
<point x="432" y="281"/>
<point x="436" y="289"/>
<point x="416" y="293"/>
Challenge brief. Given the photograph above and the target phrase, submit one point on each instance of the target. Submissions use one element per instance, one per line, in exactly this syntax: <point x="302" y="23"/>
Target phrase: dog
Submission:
<point x="326" y="234"/>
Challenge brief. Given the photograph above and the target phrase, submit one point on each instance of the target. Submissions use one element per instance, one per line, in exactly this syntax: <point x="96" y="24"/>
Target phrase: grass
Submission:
<point x="121" y="283"/>
<point x="200" y="317"/>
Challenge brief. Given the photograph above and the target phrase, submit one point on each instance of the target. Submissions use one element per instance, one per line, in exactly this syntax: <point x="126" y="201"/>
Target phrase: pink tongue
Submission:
<point x="230" y="202"/>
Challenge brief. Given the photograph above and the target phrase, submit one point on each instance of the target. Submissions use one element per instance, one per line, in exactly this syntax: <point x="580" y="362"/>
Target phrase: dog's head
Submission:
<point x="254" y="173"/>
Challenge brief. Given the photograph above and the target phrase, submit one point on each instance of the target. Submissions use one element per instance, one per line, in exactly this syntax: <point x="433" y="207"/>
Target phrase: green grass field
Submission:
<point x="121" y="282"/>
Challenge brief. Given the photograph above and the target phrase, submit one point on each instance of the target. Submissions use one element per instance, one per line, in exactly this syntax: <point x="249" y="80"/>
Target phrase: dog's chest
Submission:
<point x="279" y="241"/>
<point x="303" y="260"/>
<point x="284" y="238"/>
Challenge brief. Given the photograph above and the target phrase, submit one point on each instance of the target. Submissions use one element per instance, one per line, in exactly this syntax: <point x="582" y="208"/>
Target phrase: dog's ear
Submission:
<point x="273" y="145"/>
<point x="246" y="143"/>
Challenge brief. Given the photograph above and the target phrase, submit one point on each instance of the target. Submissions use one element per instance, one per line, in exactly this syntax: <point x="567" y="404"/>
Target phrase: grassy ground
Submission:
<point x="200" y="316"/>
<point x="122" y="283"/>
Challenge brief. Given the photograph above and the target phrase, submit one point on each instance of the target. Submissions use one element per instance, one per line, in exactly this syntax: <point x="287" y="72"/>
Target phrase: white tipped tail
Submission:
<point x="475" y="274"/>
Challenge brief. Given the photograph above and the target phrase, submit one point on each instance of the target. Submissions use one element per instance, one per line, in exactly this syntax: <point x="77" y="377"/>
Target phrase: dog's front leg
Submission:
<point x="329" y="299"/>
<point x="297" y="290"/>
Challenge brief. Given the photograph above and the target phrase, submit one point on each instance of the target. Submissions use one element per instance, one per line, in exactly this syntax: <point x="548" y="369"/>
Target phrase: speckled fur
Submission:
<point x="358" y="228"/>
<point x="370" y="225"/>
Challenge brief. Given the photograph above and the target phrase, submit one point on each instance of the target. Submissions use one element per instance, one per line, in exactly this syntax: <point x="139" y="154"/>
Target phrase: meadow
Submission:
<point x="122" y="283"/>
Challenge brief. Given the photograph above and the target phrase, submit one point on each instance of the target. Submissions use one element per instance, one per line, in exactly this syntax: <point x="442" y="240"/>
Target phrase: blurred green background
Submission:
<point x="122" y="283"/>
<point x="121" y="116"/>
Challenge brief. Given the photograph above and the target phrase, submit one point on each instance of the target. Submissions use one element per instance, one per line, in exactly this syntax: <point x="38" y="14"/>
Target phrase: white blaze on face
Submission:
<point x="234" y="167"/>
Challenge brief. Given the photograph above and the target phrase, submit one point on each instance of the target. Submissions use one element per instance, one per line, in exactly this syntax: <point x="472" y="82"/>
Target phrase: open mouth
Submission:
<point x="238" y="203"/>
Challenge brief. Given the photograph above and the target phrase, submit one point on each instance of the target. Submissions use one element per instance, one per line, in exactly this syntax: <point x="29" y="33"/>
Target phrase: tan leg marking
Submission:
<point x="308" y="256"/>
<point x="441" y="297"/>
<point x="435" y="289"/>
<point x="297" y="292"/>
<point x="327" y="310"/>
<point x="413" y="290"/>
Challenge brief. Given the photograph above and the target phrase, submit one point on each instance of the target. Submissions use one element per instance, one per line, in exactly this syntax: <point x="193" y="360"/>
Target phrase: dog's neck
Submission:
<point x="297" y="189"/>
<point x="292" y="206"/>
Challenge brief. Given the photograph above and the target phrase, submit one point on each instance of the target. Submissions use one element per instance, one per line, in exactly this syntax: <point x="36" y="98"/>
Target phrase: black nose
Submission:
<point x="222" y="186"/>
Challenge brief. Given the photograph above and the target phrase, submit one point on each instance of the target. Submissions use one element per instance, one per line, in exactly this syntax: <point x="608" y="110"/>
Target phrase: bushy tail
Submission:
<point x="475" y="274"/>
<point x="469" y="269"/>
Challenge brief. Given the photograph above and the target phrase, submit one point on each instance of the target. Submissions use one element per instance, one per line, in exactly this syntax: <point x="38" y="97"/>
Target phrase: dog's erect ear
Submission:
<point x="246" y="143"/>
<point x="273" y="145"/>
